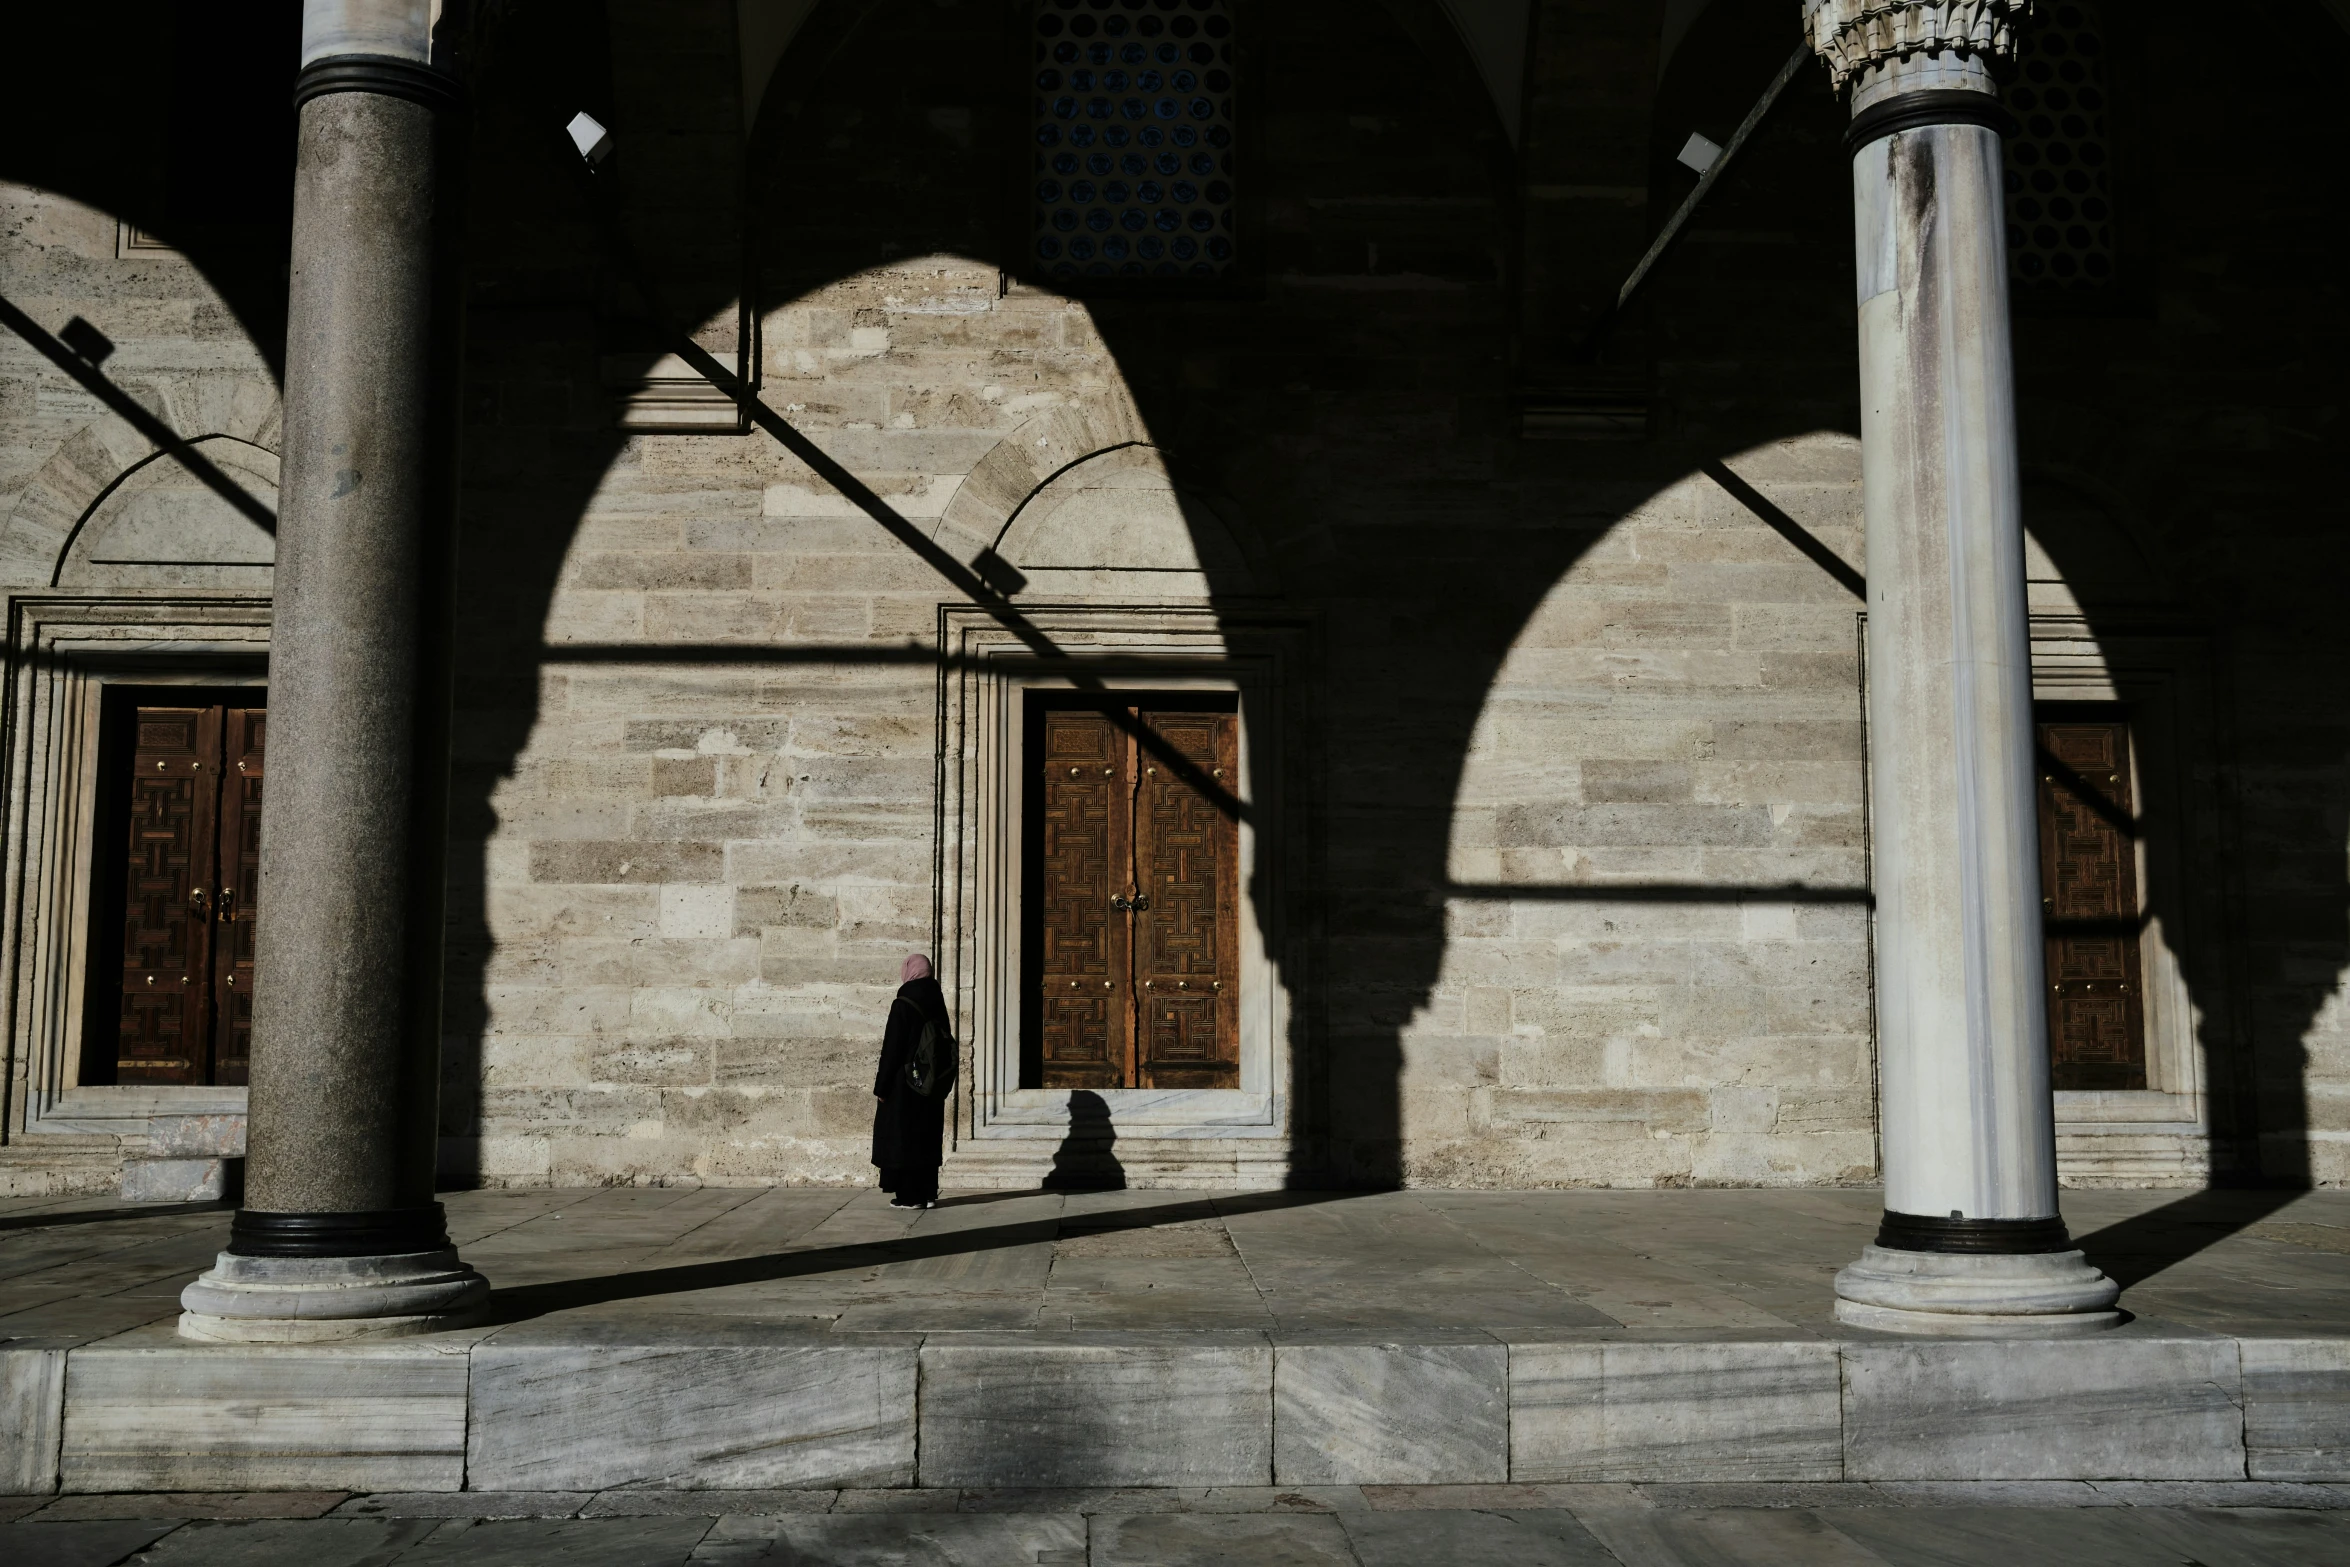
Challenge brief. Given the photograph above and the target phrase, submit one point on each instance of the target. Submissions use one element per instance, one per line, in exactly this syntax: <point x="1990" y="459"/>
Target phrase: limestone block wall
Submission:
<point x="1679" y="720"/>
<point x="1579" y="715"/>
<point x="715" y="844"/>
<point x="178" y="349"/>
<point x="1566" y="721"/>
<point x="102" y="529"/>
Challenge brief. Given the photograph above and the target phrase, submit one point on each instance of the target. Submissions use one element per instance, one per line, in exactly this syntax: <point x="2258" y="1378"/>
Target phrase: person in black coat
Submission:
<point x="909" y="1129"/>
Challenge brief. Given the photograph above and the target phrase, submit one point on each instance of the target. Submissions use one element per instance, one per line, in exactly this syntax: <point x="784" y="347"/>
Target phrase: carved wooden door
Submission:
<point x="2089" y="888"/>
<point x="1186" y="854"/>
<point x="167" y="926"/>
<point x="236" y="891"/>
<point x="1135" y="873"/>
<point x="1085" y="853"/>
<point x="191" y="878"/>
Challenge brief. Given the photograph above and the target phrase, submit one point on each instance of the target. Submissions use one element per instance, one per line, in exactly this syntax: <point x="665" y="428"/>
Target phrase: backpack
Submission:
<point x="930" y="1069"/>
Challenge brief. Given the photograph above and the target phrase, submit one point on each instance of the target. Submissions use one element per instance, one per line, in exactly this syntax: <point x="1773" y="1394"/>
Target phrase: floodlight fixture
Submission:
<point x="1699" y="153"/>
<point x="590" y="137"/>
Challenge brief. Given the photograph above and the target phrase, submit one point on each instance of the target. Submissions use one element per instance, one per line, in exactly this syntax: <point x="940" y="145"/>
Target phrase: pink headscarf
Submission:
<point x="917" y="967"/>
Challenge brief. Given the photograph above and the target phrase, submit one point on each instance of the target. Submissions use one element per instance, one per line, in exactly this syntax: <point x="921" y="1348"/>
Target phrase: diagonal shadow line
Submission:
<point x="136" y="417"/>
<point x="2136" y="1249"/>
<point x="859" y="494"/>
<point x="1789" y="529"/>
<point x="2089" y="795"/>
<point x="521" y="1304"/>
<point x="1653" y="892"/>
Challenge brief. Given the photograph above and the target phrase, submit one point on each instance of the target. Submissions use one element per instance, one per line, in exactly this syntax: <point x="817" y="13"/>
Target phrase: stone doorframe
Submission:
<point x="64" y="650"/>
<point x="1003" y="1134"/>
<point x="2170" y="1133"/>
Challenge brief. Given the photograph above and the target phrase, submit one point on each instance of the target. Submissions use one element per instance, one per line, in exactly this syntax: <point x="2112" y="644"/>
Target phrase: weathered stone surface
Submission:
<point x="145" y="1416"/>
<point x="1571" y="714"/>
<point x="1160" y="1539"/>
<point x="32" y="1416"/>
<point x="1390" y="1413"/>
<point x="1097" y="1409"/>
<point x="1722" y="1411"/>
<point x="2116" y="1407"/>
<point x="704" y="1407"/>
<point x="885" y="1540"/>
<point x="2296" y="1408"/>
<point x="1517" y="1537"/>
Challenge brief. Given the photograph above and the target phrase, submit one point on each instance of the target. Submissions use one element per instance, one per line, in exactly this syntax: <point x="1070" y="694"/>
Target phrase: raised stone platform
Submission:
<point x="797" y="1339"/>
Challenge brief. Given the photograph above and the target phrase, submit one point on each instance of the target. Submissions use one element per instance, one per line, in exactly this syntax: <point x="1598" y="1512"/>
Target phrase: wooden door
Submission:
<point x="167" y="927"/>
<point x="236" y="891"/>
<point x="1086" y="833"/>
<point x="191" y="879"/>
<point x="1186" y="861"/>
<point x="2089" y="891"/>
<point x="1135" y="874"/>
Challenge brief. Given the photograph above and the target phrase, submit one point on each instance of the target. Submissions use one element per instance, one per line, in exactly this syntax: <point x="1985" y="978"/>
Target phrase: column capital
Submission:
<point x="387" y="29"/>
<point x="1853" y="35"/>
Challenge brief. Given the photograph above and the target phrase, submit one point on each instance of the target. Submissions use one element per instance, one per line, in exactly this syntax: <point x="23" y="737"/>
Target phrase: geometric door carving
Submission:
<point x="2089" y="906"/>
<point x="189" y="794"/>
<point x="1133" y="884"/>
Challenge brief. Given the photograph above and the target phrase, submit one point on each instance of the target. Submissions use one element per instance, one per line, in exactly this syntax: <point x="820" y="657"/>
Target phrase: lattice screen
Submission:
<point x="2060" y="160"/>
<point x="1134" y="147"/>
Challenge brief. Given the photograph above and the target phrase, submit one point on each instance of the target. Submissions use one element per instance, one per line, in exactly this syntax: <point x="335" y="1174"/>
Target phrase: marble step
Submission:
<point x="718" y="1404"/>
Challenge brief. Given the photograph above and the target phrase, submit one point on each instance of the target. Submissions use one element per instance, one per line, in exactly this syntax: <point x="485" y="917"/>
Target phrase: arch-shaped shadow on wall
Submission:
<point x="1356" y="406"/>
<point x="176" y="119"/>
<point x="2121" y="511"/>
<point x="1313" y="402"/>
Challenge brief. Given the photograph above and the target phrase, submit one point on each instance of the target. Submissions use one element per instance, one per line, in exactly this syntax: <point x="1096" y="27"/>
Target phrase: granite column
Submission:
<point x="341" y="1235"/>
<point x="1972" y="1242"/>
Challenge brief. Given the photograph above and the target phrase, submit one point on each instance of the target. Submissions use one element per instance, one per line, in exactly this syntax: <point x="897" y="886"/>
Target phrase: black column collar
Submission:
<point x="1978" y="1237"/>
<point x="385" y="75"/>
<point x="385" y="1232"/>
<point x="1911" y="110"/>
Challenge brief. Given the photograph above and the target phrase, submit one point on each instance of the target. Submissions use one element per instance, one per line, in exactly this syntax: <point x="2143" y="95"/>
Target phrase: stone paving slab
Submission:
<point x="819" y="1342"/>
<point x="1670" y="1263"/>
<point x="1752" y="1535"/>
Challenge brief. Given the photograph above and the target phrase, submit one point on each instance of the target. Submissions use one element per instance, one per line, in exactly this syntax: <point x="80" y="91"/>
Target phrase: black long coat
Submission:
<point x="909" y="1130"/>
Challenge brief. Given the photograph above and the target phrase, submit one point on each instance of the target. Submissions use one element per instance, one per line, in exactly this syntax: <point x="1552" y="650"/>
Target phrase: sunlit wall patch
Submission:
<point x="1132" y="170"/>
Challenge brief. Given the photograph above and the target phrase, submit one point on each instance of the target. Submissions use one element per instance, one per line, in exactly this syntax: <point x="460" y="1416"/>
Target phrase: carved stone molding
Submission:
<point x="1852" y="35"/>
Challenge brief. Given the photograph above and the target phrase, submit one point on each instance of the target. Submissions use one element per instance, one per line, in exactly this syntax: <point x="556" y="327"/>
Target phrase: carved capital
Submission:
<point x="1852" y="35"/>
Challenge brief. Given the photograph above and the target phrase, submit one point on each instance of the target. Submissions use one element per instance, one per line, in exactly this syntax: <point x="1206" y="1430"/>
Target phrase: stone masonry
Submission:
<point x="1588" y="901"/>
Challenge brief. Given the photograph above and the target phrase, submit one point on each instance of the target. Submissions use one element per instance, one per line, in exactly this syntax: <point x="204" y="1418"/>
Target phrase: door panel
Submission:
<point x="174" y="792"/>
<point x="1085" y="849"/>
<point x="1187" y="850"/>
<point x="2089" y="889"/>
<point x="237" y="892"/>
<point x="1135" y="872"/>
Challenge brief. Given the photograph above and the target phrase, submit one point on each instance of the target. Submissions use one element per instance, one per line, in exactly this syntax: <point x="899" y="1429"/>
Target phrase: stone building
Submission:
<point x="1248" y="389"/>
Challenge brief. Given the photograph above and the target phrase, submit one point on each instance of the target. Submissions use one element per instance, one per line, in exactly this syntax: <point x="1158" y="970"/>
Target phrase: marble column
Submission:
<point x="1972" y="1242"/>
<point x="340" y="1235"/>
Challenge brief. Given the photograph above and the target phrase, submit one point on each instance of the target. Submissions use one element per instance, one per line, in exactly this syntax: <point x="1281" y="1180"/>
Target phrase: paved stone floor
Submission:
<point x="1663" y="1264"/>
<point x="2046" y="1525"/>
<point x="1671" y="1263"/>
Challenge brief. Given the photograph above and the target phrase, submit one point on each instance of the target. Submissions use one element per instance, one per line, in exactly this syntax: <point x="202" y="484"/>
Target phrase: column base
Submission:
<point x="311" y="1300"/>
<point x="1963" y="1295"/>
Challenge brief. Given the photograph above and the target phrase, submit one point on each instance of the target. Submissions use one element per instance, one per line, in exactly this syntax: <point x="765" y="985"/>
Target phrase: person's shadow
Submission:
<point x="1086" y="1161"/>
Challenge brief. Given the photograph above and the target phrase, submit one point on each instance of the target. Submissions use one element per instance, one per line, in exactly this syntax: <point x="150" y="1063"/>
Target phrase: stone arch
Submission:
<point x="1080" y="501"/>
<point x="89" y="466"/>
<point x="156" y="525"/>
